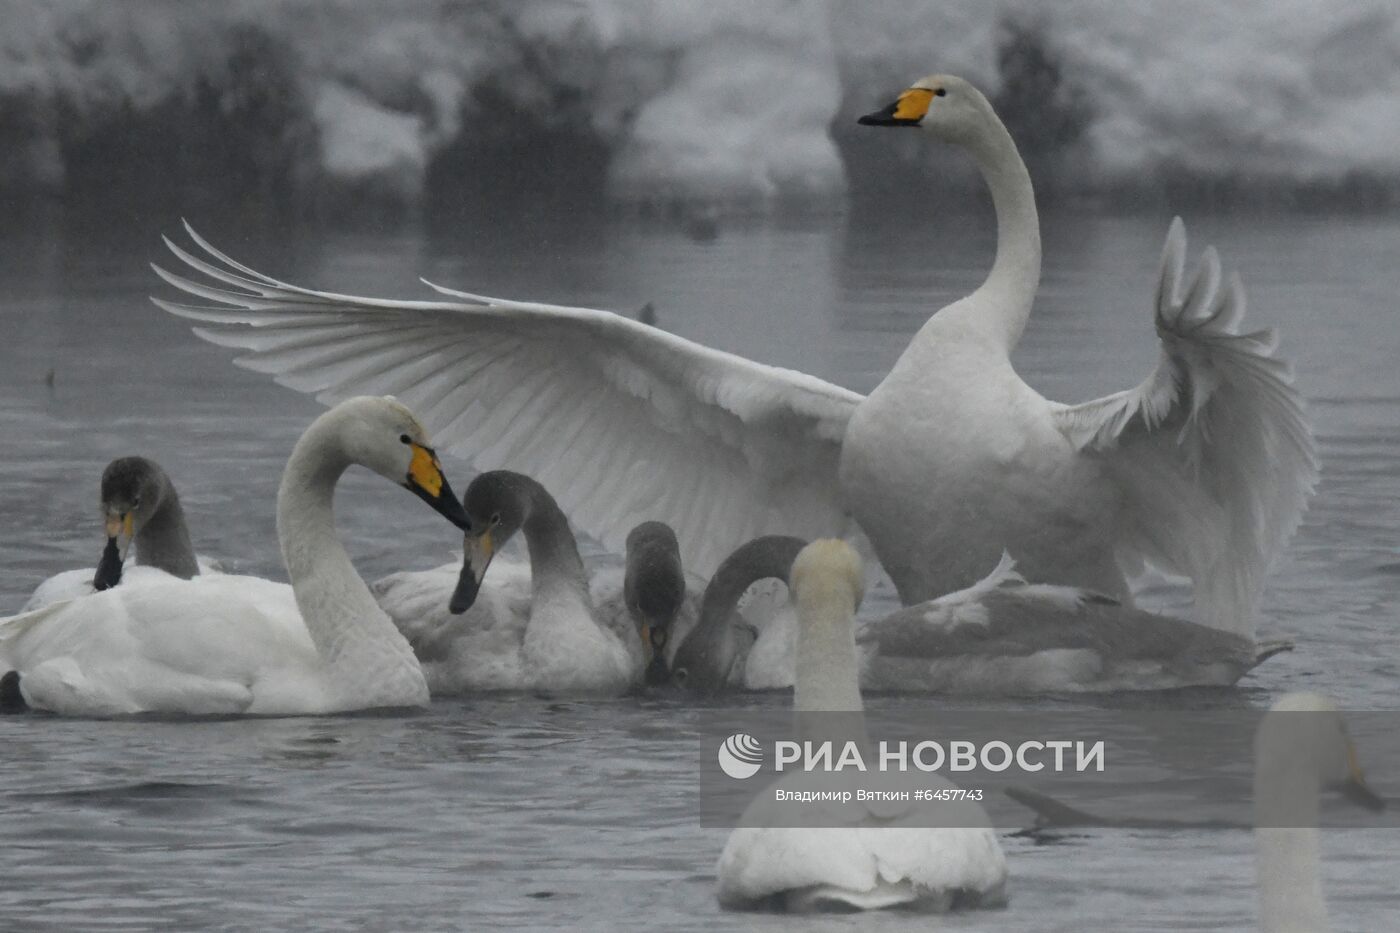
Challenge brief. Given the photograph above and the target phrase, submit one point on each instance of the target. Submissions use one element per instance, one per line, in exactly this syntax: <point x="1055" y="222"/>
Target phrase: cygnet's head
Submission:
<point x="380" y="433"/>
<point x="827" y="572"/>
<point x="946" y="106"/>
<point x="497" y="503"/>
<point x="1304" y="734"/>
<point x="133" y="490"/>
<point x="654" y="590"/>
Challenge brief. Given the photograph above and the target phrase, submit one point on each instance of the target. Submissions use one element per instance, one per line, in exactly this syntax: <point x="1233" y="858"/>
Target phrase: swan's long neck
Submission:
<point x="164" y="540"/>
<point x="1003" y="302"/>
<point x="368" y="662"/>
<point x="1290" y="890"/>
<point x="827" y="677"/>
<point x="555" y="564"/>
<point x="760" y="559"/>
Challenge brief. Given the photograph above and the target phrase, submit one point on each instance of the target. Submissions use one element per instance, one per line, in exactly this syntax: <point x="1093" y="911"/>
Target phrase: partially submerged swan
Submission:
<point x="225" y="644"/>
<point x="537" y="626"/>
<point x="876" y="855"/>
<point x="1001" y="636"/>
<point x="139" y="506"/>
<point x="1202" y="470"/>
<point x="1301" y="751"/>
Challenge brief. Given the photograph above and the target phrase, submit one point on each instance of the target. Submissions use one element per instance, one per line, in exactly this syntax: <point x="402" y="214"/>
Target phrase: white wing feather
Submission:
<point x="620" y="421"/>
<point x="1212" y="453"/>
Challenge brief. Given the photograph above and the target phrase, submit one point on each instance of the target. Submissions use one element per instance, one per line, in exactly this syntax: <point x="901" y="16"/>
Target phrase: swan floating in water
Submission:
<point x="1002" y="636"/>
<point x="139" y="506"/>
<point x="536" y="625"/>
<point x="226" y="644"/>
<point x="878" y="856"/>
<point x="1202" y="470"/>
<point x="1301" y="750"/>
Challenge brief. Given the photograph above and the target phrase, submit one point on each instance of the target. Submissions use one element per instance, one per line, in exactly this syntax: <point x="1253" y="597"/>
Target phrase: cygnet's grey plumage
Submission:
<point x="1006" y="636"/>
<point x="139" y="486"/>
<point x="706" y="660"/>
<point x="654" y="589"/>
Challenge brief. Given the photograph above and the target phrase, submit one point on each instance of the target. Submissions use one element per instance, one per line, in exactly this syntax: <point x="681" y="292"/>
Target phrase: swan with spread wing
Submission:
<point x="1202" y="470"/>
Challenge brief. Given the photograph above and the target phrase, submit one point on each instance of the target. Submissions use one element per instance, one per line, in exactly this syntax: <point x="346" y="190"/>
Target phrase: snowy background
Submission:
<point x="328" y="107"/>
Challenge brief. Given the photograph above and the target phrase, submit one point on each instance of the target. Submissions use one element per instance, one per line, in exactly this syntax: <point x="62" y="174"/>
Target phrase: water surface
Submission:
<point x="525" y="813"/>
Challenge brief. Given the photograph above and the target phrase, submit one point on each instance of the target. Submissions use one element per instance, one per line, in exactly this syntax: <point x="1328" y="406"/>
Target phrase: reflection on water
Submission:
<point x="521" y="812"/>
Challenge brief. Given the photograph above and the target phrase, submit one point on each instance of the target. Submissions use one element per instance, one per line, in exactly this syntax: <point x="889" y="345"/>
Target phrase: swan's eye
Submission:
<point x="136" y="502"/>
<point x="941" y="92"/>
<point x="495" y="518"/>
<point x="679" y="675"/>
<point x="404" y="438"/>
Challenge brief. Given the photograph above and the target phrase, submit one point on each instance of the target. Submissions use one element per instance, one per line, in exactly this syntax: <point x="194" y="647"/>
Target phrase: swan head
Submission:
<point x="946" y="106"/>
<point x="654" y="589"/>
<point x="827" y="574"/>
<point x="133" y="489"/>
<point x="1304" y="735"/>
<point x="497" y="504"/>
<point x="382" y="434"/>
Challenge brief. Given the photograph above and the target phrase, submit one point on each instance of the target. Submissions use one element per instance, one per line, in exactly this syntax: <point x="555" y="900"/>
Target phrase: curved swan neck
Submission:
<point x="351" y="633"/>
<point x="1286" y="842"/>
<point x="1009" y="290"/>
<point x="760" y="559"/>
<point x="164" y="540"/>
<point x="554" y="557"/>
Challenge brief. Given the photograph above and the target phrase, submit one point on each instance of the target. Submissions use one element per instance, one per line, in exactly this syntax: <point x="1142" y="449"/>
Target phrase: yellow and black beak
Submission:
<point x="907" y="110"/>
<point x="478" y="551"/>
<point x="1355" y="789"/>
<point x="121" y="528"/>
<point x="426" y="480"/>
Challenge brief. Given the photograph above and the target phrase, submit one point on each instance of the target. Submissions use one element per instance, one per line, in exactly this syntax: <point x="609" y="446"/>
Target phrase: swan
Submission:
<point x="1002" y="636"/>
<point x="538" y="627"/>
<point x="878" y="856"/>
<point x="1301" y="749"/>
<point x="226" y="644"/>
<point x="139" y="505"/>
<point x="539" y="624"/>
<point x="1202" y="470"/>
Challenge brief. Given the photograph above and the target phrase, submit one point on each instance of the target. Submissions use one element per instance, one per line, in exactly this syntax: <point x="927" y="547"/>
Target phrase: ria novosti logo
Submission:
<point x="740" y="756"/>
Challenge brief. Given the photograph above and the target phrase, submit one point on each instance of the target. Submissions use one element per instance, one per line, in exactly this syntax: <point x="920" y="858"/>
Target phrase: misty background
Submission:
<point x="335" y="110"/>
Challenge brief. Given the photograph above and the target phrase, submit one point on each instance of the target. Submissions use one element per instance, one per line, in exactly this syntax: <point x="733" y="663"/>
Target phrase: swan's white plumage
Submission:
<point x="620" y="421"/>
<point x="227" y="644"/>
<point x="851" y="853"/>
<point x="953" y="459"/>
<point x="482" y="650"/>
<point x="1212" y="453"/>
<point x="70" y="584"/>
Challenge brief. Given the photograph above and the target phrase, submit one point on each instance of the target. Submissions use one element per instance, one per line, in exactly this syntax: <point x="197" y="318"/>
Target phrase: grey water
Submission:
<point x="521" y="812"/>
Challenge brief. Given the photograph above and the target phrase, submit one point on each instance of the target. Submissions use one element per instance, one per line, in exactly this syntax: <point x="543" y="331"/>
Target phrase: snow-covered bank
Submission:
<point x="746" y="104"/>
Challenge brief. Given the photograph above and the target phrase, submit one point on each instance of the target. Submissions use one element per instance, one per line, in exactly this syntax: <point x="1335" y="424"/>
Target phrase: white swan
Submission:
<point x="1301" y="749"/>
<point x="1203" y="469"/>
<point x="139" y="505"/>
<point x="225" y="644"/>
<point x="877" y="856"/>
<point x="1001" y="636"/>
<point x="539" y="624"/>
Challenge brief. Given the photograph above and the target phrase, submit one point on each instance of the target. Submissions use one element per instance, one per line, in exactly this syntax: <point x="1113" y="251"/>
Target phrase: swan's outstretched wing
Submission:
<point x="620" y="421"/>
<point x="1213" y="453"/>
